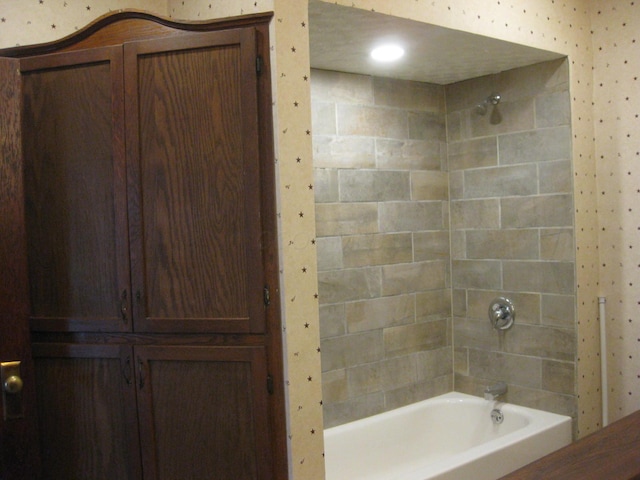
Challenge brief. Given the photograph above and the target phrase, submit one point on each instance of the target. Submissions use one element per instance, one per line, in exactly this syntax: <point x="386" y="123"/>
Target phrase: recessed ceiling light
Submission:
<point x="387" y="53"/>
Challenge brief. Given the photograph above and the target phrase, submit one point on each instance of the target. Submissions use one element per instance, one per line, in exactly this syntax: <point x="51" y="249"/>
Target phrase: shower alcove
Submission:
<point x="426" y="211"/>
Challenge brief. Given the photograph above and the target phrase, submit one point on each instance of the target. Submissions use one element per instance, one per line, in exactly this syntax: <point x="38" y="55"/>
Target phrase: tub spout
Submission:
<point x="492" y="392"/>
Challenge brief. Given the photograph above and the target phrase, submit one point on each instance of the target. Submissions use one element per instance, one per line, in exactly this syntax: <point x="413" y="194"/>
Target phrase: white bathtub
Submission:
<point x="448" y="437"/>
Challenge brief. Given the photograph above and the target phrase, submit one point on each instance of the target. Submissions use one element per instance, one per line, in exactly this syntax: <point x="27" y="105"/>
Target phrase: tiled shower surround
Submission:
<point x="426" y="211"/>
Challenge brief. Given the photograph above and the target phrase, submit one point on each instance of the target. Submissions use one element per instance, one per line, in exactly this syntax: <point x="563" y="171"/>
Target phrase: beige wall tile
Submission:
<point x="518" y="180"/>
<point x="410" y="154"/>
<point x="557" y="244"/>
<point x="413" y="277"/>
<point x="343" y="152"/>
<point x="538" y="211"/>
<point x="476" y="274"/>
<point x="482" y="213"/>
<point x="503" y="244"/>
<point x="430" y="246"/>
<point x="535" y="80"/>
<point x="329" y="253"/>
<point x="380" y="313"/>
<point x="434" y="363"/>
<point x="325" y="185"/>
<point x="456" y="185"/>
<point x="334" y="386"/>
<point x="352" y="409"/>
<point x="398" y="372"/>
<point x="541" y="341"/>
<point x="411" y="216"/>
<point x="461" y="361"/>
<point x="459" y="244"/>
<point x="351" y="350"/>
<point x="346" y="219"/>
<point x="341" y="87"/>
<point x="365" y="379"/>
<point x="324" y="118"/>
<point x="553" y="109"/>
<point x="373" y="185"/>
<point x="545" y="277"/>
<point x="426" y="126"/>
<point x="346" y="285"/>
<point x="456" y="130"/>
<point x="535" y="146"/>
<point x="558" y="376"/>
<point x="417" y="337"/>
<point x="418" y="391"/>
<point x="369" y="121"/>
<point x="333" y="321"/>
<point x="555" y="177"/>
<point x="475" y="153"/>
<point x="474" y="333"/>
<point x="459" y="302"/>
<point x="408" y="95"/>
<point x="520" y="370"/>
<point x="382" y="249"/>
<point x="433" y="304"/>
<point x="559" y="310"/>
<point x="429" y="185"/>
<point x="543" y="400"/>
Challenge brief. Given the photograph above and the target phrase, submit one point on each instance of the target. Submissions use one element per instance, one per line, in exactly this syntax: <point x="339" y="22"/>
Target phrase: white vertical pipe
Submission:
<point x="603" y="360"/>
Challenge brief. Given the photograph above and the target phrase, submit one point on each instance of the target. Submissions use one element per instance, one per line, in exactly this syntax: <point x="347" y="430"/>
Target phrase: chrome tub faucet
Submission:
<point x="492" y="392"/>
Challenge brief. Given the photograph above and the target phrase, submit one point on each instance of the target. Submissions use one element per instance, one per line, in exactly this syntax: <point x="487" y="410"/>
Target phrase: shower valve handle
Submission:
<point x="502" y="313"/>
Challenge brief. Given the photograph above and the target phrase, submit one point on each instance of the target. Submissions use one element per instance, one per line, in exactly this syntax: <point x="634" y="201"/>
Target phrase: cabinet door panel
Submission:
<point x="87" y="412"/>
<point x="75" y="191"/>
<point x="206" y="409"/>
<point x="192" y="126"/>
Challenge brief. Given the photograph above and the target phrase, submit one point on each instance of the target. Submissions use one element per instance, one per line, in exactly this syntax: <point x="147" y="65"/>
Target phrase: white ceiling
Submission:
<point x="342" y="37"/>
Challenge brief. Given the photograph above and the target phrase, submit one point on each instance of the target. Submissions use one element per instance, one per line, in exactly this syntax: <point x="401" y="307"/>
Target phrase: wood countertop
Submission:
<point x="612" y="453"/>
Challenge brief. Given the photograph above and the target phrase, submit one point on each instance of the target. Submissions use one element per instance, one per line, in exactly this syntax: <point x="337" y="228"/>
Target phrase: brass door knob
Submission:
<point x="13" y="384"/>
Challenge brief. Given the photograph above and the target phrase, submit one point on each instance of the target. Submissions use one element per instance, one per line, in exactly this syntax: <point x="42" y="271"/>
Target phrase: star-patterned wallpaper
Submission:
<point x="599" y="39"/>
<point x="616" y="83"/>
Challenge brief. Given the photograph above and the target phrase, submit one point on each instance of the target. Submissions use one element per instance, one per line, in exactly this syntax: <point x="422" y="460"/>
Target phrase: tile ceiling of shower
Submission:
<point x="342" y="37"/>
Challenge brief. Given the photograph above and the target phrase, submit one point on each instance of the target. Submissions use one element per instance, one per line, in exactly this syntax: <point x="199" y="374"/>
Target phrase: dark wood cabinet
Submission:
<point x="172" y="412"/>
<point x="151" y="247"/>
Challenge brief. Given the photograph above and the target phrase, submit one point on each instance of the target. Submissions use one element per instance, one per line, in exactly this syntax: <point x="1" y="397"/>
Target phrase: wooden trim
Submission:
<point x="128" y="24"/>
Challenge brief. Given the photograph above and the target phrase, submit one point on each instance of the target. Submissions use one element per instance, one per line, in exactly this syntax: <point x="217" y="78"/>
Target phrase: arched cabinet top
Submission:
<point x="129" y="25"/>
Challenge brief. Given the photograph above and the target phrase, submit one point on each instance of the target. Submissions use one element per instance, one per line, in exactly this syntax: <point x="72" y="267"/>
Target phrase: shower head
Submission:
<point x="493" y="99"/>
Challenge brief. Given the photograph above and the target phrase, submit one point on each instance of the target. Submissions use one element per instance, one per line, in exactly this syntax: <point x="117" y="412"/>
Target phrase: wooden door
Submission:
<point x="194" y="189"/>
<point x="203" y="412"/>
<point x="75" y="191"/>
<point x="18" y="442"/>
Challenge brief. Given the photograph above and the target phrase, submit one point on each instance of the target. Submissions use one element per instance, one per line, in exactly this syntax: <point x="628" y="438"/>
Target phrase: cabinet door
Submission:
<point x="75" y="188"/>
<point x="203" y="412"/>
<point x="192" y="140"/>
<point x="87" y="412"/>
